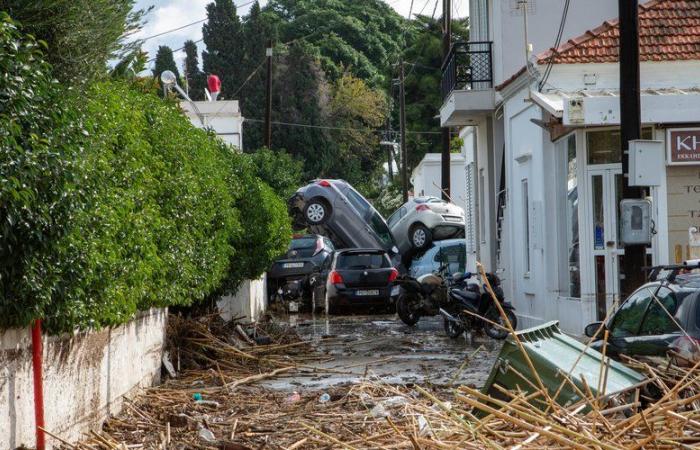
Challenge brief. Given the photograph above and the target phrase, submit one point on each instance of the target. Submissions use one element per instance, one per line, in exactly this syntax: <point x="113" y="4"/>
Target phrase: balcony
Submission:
<point x="467" y="83"/>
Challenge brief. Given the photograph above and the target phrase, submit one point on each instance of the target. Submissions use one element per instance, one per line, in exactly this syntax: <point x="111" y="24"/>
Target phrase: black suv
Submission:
<point x="641" y="326"/>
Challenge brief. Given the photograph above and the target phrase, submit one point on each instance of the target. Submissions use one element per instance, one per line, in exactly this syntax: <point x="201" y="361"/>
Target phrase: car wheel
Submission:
<point x="316" y="212"/>
<point x="420" y="236"/>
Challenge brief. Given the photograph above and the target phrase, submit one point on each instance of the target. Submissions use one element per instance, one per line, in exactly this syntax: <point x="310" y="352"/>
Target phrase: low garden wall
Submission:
<point x="86" y="376"/>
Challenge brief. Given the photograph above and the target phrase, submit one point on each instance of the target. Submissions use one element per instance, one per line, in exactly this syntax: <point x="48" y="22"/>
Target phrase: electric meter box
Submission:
<point x="636" y="221"/>
<point x="646" y="162"/>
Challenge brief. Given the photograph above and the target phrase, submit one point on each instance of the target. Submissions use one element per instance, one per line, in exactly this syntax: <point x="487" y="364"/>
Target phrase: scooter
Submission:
<point x="471" y="308"/>
<point x="423" y="296"/>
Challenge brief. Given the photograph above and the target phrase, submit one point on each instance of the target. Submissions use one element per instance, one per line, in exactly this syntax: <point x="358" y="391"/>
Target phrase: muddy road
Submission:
<point x="383" y="347"/>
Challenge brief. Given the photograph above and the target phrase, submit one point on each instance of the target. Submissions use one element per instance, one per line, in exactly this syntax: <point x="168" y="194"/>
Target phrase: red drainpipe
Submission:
<point x="37" y="361"/>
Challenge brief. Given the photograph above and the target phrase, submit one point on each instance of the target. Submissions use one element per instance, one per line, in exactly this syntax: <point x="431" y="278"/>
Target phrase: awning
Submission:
<point x="602" y="107"/>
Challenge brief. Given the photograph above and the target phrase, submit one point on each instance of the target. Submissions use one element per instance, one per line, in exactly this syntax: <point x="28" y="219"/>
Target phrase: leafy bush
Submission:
<point x="278" y="169"/>
<point x="113" y="202"/>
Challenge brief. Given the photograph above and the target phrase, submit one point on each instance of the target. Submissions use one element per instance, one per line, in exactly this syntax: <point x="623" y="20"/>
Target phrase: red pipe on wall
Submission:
<point x="37" y="362"/>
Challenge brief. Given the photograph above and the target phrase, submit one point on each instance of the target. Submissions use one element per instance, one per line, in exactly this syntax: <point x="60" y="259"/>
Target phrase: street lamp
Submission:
<point x="169" y="80"/>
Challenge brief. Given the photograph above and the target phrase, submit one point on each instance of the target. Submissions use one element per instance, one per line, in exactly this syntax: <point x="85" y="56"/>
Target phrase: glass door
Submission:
<point x="605" y="195"/>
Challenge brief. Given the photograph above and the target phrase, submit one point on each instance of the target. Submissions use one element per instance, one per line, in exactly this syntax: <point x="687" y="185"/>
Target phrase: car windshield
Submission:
<point x="300" y="243"/>
<point x="382" y="231"/>
<point x="358" y="261"/>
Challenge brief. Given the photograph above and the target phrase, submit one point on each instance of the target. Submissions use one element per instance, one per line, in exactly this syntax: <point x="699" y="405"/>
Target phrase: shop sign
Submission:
<point x="683" y="146"/>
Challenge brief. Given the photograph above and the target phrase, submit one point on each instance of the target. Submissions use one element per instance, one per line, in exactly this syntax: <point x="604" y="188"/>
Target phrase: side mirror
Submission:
<point x="592" y="328"/>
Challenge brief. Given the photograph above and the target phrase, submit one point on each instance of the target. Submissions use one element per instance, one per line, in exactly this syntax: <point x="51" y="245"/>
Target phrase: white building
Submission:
<point x="427" y="176"/>
<point x="224" y="117"/>
<point x="545" y="157"/>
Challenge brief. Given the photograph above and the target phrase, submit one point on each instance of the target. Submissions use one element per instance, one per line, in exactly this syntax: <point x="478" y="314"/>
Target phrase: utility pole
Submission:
<point x="268" y="106"/>
<point x="402" y="114"/>
<point x="630" y="128"/>
<point x="446" y="44"/>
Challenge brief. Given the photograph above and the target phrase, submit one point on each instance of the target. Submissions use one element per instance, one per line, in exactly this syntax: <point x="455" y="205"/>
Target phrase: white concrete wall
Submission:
<point x="85" y="377"/>
<point x="224" y="117"/>
<point x="427" y="177"/>
<point x="544" y="16"/>
<point x="249" y="302"/>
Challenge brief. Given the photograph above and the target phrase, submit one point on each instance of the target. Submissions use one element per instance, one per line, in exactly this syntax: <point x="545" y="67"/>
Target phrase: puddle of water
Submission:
<point x="384" y="347"/>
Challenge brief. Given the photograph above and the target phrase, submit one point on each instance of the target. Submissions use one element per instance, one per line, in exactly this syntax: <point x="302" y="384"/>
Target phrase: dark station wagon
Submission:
<point x="660" y="317"/>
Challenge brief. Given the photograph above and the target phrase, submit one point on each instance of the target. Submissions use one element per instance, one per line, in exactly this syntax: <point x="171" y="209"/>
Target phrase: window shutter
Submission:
<point x="470" y="222"/>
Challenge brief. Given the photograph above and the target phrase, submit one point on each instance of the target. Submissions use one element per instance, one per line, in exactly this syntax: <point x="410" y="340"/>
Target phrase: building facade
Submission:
<point x="544" y="138"/>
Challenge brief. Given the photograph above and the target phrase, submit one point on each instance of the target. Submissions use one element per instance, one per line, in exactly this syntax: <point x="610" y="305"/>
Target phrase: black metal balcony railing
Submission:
<point x="467" y="66"/>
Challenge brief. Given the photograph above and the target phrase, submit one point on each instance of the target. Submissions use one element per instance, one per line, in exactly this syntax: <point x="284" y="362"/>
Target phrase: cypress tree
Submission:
<point x="224" y="52"/>
<point x="165" y="61"/>
<point x="194" y="77"/>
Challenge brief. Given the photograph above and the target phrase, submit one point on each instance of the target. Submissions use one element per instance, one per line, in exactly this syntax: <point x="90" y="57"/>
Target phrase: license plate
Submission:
<point x="293" y="265"/>
<point x="368" y="293"/>
<point x="395" y="290"/>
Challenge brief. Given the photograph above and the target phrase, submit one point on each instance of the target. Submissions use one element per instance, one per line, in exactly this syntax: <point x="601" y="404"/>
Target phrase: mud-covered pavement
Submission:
<point x="382" y="346"/>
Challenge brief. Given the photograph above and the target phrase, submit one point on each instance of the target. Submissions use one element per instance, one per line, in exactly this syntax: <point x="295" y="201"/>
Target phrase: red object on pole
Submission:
<point x="213" y="83"/>
<point x="37" y="362"/>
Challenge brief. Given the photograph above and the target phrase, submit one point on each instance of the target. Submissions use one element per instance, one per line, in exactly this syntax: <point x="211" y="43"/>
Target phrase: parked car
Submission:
<point x="335" y="209"/>
<point x="422" y="220"/>
<point x="450" y="253"/>
<point x="641" y="326"/>
<point x="288" y="278"/>
<point x="354" y="277"/>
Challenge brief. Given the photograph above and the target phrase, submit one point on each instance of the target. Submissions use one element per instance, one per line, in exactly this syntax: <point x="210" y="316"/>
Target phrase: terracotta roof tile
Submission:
<point x="669" y="30"/>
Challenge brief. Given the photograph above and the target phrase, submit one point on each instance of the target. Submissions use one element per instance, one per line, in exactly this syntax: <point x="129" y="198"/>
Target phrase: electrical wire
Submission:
<point x="557" y="43"/>
<point x="325" y="127"/>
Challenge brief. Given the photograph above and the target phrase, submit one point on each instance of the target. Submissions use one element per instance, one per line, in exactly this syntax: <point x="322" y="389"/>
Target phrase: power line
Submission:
<point x="189" y="24"/>
<point x="557" y="43"/>
<point x="325" y="127"/>
<point x="176" y="50"/>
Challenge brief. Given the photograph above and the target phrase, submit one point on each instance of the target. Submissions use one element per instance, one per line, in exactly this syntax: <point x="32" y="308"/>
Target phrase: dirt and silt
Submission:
<point x="302" y="381"/>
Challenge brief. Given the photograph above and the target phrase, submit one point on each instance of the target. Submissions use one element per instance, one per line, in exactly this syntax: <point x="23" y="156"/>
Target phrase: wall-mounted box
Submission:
<point x="646" y="162"/>
<point x="636" y="221"/>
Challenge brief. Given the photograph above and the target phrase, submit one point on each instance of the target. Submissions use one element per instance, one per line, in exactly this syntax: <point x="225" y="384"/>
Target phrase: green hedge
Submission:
<point x="113" y="202"/>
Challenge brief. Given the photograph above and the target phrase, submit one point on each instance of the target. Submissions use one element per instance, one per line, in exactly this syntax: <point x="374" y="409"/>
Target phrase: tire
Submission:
<point x="498" y="333"/>
<point x="420" y="236"/>
<point x="316" y="212"/>
<point x="452" y="329"/>
<point x="406" y="314"/>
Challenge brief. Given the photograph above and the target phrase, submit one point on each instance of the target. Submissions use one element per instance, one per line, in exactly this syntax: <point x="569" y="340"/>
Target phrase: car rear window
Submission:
<point x="305" y="242"/>
<point x="362" y="261"/>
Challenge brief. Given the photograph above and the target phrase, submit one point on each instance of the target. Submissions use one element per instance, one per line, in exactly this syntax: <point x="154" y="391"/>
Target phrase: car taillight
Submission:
<point x="319" y="246"/>
<point x="393" y="275"/>
<point x="324" y="183"/>
<point x="422" y="208"/>
<point x="335" y="278"/>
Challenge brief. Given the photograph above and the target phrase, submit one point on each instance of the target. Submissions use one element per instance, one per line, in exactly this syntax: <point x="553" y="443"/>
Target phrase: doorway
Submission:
<point x="605" y="185"/>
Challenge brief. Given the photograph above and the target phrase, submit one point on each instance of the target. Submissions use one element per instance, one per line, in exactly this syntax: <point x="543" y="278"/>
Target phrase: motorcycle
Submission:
<point x="478" y="301"/>
<point x="423" y="296"/>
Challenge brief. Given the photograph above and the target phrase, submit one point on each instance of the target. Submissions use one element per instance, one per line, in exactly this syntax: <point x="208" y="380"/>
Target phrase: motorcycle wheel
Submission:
<point x="405" y="312"/>
<point x="452" y="329"/>
<point x="499" y="333"/>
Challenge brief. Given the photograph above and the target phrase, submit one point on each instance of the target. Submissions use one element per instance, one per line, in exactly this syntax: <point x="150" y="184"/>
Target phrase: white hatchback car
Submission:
<point x="422" y="220"/>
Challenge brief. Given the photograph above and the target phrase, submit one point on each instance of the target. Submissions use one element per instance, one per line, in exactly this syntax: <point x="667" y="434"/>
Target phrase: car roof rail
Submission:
<point x="671" y="271"/>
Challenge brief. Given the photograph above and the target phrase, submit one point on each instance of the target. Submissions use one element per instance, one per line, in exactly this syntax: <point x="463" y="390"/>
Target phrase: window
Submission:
<point x="574" y="264"/>
<point x="356" y="261"/>
<point x="628" y="318"/>
<point x="303" y="243"/>
<point x="454" y="257"/>
<point x="604" y="145"/>
<point x="358" y="202"/>
<point x="526" y="223"/>
<point x="382" y="231"/>
<point x="657" y="321"/>
<point x="329" y="244"/>
<point x="398" y="215"/>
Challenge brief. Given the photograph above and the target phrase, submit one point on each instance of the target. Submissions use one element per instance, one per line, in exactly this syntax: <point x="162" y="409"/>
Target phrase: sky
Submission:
<point x="169" y="14"/>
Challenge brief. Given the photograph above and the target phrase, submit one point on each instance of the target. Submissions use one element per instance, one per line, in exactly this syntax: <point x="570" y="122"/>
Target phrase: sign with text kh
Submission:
<point x="683" y="146"/>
